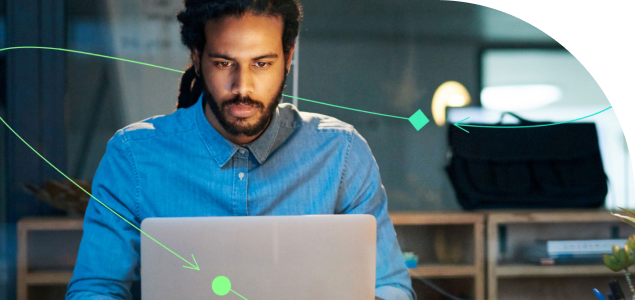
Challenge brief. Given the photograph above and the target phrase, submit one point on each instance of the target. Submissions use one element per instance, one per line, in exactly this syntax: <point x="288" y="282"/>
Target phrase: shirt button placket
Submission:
<point x="241" y="183"/>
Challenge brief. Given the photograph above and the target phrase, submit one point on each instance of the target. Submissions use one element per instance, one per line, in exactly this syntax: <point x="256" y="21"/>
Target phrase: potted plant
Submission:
<point x="622" y="258"/>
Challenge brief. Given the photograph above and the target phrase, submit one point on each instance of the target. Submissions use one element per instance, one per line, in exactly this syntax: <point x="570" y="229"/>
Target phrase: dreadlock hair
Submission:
<point x="196" y="14"/>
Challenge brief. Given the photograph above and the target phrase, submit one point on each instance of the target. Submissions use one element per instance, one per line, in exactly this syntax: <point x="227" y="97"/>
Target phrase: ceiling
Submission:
<point x="432" y="19"/>
<point x="414" y="19"/>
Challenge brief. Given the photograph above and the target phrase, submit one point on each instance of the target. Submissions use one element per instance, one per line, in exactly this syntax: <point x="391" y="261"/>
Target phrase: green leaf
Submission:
<point x="629" y="211"/>
<point x="611" y="263"/>
<point x="626" y="219"/>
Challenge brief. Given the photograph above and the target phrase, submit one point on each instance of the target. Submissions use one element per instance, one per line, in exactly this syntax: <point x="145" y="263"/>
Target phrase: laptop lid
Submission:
<point x="307" y="257"/>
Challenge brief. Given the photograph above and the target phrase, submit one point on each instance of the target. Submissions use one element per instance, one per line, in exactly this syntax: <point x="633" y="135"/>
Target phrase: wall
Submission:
<point x="395" y="77"/>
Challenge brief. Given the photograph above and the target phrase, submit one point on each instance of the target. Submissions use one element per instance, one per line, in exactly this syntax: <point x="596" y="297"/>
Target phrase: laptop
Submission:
<point x="308" y="257"/>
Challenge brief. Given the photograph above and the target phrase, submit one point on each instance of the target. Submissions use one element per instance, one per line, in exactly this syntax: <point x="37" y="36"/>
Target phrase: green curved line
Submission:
<point x="87" y="53"/>
<point x="151" y="65"/>
<point x="527" y="126"/>
<point x="338" y="106"/>
<point x="368" y="112"/>
<point x="241" y="296"/>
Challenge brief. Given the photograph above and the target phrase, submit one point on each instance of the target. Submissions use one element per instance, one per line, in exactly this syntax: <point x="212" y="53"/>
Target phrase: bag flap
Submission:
<point x="563" y="141"/>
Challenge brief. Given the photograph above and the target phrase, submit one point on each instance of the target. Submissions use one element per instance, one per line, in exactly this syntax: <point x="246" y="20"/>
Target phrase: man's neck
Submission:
<point x="238" y="140"/>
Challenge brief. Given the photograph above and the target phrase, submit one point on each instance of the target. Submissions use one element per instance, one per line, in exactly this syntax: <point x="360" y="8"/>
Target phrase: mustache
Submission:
<point x="239" y="100"/>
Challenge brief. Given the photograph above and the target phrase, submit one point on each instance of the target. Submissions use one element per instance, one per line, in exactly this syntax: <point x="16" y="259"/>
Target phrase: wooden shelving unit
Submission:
<point x="417" y="230"/>
<point x="46" y="260"/>
<point x="532" y="281"/>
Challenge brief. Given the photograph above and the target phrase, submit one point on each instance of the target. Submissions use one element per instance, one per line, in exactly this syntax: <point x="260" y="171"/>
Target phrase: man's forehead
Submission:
<point x="247" y="36"/>
<point x="268" y="27"/>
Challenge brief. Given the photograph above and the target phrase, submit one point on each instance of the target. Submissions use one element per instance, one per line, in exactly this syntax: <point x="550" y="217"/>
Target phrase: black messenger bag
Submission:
<point x="556" y="166"/>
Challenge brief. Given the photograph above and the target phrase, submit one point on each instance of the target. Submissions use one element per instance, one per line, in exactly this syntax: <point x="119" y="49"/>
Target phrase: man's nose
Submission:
<point x="242" y="82"/>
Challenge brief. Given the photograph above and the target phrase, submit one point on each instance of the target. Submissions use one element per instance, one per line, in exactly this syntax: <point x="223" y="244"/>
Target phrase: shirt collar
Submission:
<point x="222" y="150"/>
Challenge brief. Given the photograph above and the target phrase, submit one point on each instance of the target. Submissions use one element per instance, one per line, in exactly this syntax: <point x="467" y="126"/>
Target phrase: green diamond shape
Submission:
<point x="418" y="120"/>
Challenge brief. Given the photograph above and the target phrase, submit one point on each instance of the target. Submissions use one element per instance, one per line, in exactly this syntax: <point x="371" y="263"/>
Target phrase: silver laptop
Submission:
<point x="308" y="257"/>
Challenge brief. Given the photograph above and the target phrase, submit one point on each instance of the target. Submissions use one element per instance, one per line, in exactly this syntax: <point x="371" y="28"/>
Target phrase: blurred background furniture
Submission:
<point x="451" y="251"/>
<point x="47" y="251"/>
<point x="509" y="277"/>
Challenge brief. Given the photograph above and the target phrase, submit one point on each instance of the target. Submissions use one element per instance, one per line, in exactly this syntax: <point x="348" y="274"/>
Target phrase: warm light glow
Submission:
<point x="457" y="101"/>
<point x="519" y="97"/>
<point x="450" y="93"/>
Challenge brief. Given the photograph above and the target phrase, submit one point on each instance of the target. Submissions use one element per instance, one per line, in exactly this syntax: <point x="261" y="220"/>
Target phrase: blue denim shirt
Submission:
<point x="178" y="165"/>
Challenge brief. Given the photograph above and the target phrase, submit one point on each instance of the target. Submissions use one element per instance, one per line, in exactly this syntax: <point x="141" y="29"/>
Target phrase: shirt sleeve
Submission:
<point x="108" y="260"/>
<point x="361" y="192"/>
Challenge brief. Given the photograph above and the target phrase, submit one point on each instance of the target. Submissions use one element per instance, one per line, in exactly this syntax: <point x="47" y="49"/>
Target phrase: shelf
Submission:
<point x="532" y="281"/>
<point x="511" y="271"/>
<point x="554" y="216"/>
<point x="443" y="271"/>
<point x="51" y="223"/>
<point x="49" y="277"/>
<point x="426" y="233"/>
<point x="414" y="218"/>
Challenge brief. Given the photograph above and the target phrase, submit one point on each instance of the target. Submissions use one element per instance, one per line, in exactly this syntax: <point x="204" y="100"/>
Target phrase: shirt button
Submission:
<point x="241" y="175"/>
<point x="242" y="151"/>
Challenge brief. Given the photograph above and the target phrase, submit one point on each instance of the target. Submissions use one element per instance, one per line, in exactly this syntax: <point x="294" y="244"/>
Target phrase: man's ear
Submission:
<point x="289" y="59"/>
<point x="195" y="60"/>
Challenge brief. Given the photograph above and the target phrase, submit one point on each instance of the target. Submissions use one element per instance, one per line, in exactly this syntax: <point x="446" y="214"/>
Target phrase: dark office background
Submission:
<point x="381" y="56"/>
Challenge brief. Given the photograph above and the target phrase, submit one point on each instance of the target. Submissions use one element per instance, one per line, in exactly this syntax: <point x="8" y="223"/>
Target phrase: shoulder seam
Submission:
<point x="127" y="138"/>
<point x="341" y="126"/>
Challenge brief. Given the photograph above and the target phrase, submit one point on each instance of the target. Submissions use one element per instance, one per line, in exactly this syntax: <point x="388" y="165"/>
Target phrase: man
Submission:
<point x="230" y="149"/>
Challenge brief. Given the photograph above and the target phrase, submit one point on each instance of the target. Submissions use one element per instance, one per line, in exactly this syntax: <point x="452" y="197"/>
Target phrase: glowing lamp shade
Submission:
<point x="450" y="93"/>
<point x="519" y="97"/>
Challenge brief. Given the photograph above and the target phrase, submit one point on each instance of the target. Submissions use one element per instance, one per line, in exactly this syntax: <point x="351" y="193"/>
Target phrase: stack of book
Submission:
<point x="570" y="252"/>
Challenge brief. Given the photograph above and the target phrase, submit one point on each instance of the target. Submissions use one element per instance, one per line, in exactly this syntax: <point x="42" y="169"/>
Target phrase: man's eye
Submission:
<point x="261" y="64"/>
<point x="223" y="64"/>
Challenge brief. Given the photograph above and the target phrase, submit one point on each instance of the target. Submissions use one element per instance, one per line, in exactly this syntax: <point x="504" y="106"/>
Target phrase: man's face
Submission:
<point x="243" y="67"/>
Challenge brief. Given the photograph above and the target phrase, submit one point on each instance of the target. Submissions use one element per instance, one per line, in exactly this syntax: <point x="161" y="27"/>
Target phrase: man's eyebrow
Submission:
<point x="223" y="56"/>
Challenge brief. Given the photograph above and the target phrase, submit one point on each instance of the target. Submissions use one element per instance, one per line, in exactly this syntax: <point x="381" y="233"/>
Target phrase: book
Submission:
<point x="566" y="248"/>
<point x="595" y="259"/>
<point x="569" y="252"/>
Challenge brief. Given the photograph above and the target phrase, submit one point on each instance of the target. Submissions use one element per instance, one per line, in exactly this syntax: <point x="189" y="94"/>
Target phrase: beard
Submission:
<point x="241" y="126"/>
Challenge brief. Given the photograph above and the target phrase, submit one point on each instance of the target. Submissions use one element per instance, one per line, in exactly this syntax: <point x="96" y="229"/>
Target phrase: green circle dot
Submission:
<point x="221" y="285"/>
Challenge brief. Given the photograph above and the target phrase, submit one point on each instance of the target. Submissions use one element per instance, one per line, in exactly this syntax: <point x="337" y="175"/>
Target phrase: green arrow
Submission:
<point x="460" y="126"/>
<point x="193" y="266"/>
